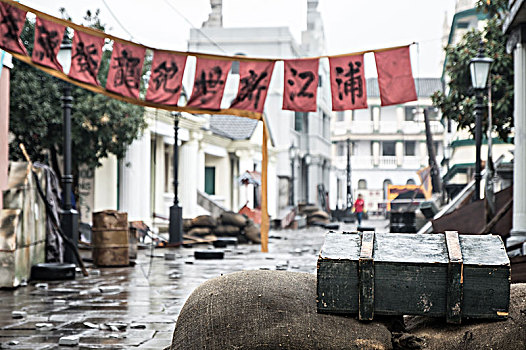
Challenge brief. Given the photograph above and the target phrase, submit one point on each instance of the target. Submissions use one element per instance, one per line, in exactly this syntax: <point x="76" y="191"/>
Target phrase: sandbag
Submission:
<point x="233" y="219"/>
<point x="187" y="225"/>
<point x="199" y="231"/>
<point x="204" y="221"/>
<point x="253" y="233"/>
<point x="508" y="334"/>
<point x="226" y="230"/>
<point x="252" y="310"/>
<point x="320" y="214"/>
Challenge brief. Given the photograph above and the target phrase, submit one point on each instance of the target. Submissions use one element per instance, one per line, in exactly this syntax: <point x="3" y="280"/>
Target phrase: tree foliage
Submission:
<point x="100" y="125"/>
<point x="459" y="102"/>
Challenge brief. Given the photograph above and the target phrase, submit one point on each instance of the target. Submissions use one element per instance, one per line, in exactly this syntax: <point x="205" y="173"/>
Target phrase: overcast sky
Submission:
<point x="350" y="25"/>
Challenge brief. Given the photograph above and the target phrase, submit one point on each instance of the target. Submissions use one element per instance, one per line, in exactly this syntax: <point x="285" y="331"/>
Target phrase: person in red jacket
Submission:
<point x="358" y="209"/>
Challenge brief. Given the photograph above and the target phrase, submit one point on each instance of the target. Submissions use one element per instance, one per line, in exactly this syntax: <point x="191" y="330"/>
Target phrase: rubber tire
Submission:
<point x="53" y="271"/>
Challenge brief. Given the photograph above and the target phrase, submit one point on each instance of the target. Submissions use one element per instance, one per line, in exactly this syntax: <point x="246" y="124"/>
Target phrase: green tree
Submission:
<point x="100" y="125"/>
<point x="459" y="102"/>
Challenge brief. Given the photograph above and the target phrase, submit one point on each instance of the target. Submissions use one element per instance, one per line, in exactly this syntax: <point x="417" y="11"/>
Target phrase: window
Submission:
<point x="210" y="180"/>
<point x="362" y="184"/>
<point x="341" y="148"/>
<point x="432" y="113"/>
<point x="410" y="182"/>
<point x="235" y="64"/>
<point x="340" y="116"/>
<point x="436" y="145"/>
<point x="410" y="113"/>
<point x="298" y="121"/>
<point x="387" y="182"/>
<point x="388" y="148"/>
<point x="409" y="148"/>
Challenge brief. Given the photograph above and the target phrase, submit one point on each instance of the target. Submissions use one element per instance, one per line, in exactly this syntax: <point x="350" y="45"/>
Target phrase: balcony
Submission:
<point x="361" y="127"/>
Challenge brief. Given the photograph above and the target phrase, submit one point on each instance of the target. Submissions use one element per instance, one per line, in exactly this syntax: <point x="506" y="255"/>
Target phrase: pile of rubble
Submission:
<point x="229" y="224"/>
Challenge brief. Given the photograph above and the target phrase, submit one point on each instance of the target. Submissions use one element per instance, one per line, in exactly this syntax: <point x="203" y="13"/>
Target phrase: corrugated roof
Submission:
<point x="425" y="87"/>
<point x="232" y="127"/>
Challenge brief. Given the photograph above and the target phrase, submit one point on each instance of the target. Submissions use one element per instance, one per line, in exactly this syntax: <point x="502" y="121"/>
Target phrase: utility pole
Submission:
<point x="435" y="174"/>
<point x="349" y="184"/>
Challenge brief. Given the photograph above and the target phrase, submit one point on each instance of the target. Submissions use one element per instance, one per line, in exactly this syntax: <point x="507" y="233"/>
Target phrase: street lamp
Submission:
<point x="479" y="68"/>
<point x="307" y="158"/>
<point x="175" y="228"/>
<point x="348" y="170"/>
<point x="293" y="153"/>
<point x="70" y="217"/>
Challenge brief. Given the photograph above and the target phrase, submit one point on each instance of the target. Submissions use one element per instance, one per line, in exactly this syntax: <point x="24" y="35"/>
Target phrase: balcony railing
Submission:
<point x="362" y="127"/>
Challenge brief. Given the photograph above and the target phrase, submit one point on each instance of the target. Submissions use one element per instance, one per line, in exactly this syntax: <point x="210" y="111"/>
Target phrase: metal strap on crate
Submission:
<point x="455" y="278"/>
<point x="366" y="277"/>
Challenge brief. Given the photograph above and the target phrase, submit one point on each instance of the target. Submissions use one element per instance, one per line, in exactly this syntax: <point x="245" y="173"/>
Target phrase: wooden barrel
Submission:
<point x="110" y="239"/>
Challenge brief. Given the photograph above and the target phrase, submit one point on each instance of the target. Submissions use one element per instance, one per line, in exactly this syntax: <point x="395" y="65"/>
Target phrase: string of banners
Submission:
<point x="347" y="78"/>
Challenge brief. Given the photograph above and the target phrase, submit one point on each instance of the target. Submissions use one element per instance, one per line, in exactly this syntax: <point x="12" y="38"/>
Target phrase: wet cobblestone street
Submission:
<point x="136" y="307"/>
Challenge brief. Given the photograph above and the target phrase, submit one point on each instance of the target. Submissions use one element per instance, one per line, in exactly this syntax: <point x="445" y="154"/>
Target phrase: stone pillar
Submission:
<point x="518" y="232"/>
<point x="376" y="119"/>
<point x="399" y="151"/>
<point x="201" y="163"/>
<point x="246" y="163"/>
<point x="106" y="184"/>
<point x="400" y="118"/>
<point x="376" y="153"/>
<point x="158" y="184"/>
<point x="188" y="176"/>
<point x="135" y="185"/>
<point x="423" y="154"/>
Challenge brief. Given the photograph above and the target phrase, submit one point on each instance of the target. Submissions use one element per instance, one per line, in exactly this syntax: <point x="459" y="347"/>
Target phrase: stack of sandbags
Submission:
<point x="229" y="224"/>
<point x="315" y="216"/>
<point x="202" y="225"/>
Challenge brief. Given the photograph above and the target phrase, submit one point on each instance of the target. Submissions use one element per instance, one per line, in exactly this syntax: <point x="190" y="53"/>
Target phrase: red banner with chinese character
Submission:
<point x="48" y="37"/>
<point x="209" y="83"/>
<point x="348" y="87"/>
<point x="85" y="57"/>
<point x="395" y="78"/>
<point x="254" y="80"/>
<point x="301" y="85"/>
<point x="166" y="76"/>
<point x="11" y="24"/>
<point x="124" y="75"/>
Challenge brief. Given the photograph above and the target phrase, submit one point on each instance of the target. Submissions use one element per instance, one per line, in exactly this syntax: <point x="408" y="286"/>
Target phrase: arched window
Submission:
<point x="362" y="184"/>
<point x="410" y="182"/>
<point x="235" y="64"/>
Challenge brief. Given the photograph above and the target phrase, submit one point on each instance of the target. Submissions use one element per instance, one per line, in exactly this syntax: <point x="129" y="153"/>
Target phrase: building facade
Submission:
<point x="387" y="145"/>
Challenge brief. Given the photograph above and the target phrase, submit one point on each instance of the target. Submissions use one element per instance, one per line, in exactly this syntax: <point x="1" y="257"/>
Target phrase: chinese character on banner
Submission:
<point x="166" y="77"/>
<point x="48" y="37"/>
<point x="301" y="85"/>
<point x="254" y="80"/>
<point x="86" y="57"/>
<point x="209" y="83"/>
<point x="124" y="75"/>
<point x="11" y="24"/>
<point x="348" y="83"/>
<point x="395" y="78"/>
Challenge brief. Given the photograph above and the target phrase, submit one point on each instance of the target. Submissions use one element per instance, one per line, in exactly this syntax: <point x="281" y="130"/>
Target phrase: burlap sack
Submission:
<point x="226" y="230"/>
<point x="253" y="233"/>
<point x="436" y="334"/>
<point x="268" y="310"/>
<point x="233" y="219"/>
<point x="204" y="221"/>
<point x="199" y="231"/>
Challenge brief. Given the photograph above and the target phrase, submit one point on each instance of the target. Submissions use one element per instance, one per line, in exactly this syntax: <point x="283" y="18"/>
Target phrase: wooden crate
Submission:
<point x="466" y="276"/>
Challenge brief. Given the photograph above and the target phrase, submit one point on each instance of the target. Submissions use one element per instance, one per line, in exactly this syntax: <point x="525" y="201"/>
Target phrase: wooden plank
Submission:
<point x="455" y="278"/>
<point x="366" y="278"/>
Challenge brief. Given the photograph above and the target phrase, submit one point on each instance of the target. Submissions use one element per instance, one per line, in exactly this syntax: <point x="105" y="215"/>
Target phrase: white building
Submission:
<point x="387" y="145"/>
<point x="308" y="132"/>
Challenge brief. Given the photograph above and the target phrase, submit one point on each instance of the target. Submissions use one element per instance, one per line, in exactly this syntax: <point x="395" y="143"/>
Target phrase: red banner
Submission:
<point x="348" y="87"/>
<point x="301" y="85"/>
<point x="166" y="78"/>
<point x="254" y="80"/>
<point x="209" y="83"/>
<point x="395" y="78"/>
<point x="85" y="57"/>
<point x="11" y="24"/>
<point x="124" y="75"/>
<point x="48" y="37"/>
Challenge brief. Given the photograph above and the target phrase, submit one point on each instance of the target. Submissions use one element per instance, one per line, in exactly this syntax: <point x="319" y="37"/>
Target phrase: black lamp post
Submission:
<point x="293" y="153"/>
<point x="70" y="217"/>
<point x="479" y="68"/>
<point x="175" y="228"/>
